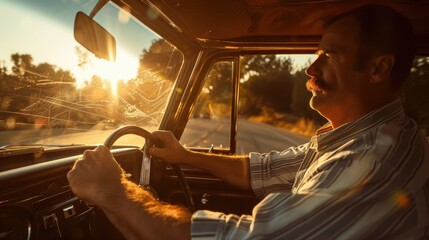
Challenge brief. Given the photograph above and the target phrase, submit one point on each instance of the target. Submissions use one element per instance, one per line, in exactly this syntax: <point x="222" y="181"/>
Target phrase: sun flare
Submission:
<point x="123" y="69"/>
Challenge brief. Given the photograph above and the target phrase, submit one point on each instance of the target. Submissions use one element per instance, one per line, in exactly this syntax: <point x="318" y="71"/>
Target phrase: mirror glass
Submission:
<point x="94" y="37"/>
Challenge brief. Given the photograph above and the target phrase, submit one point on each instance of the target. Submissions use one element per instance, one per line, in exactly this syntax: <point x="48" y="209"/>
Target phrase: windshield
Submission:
<point x="54" y="91"/>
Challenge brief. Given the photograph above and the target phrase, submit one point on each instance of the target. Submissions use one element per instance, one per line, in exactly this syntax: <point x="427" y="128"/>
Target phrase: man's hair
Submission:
<point x="382" y="30"/>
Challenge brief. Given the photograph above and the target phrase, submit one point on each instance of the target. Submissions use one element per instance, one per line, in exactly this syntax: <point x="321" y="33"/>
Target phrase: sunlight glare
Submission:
<point x="123" y="69"/>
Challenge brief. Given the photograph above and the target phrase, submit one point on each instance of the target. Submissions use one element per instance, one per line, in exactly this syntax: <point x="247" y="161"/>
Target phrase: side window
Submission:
<point x="273" y="106"/>
<point x="415" y="96"/>
<point x="209" y="125"/>
<point x="274" y="111"/>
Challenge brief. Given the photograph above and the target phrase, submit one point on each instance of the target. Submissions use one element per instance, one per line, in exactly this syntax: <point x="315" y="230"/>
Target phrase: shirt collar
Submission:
<point x="327" y="136"/>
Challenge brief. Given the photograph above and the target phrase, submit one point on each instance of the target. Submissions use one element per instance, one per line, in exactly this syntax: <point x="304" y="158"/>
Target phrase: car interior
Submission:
<point x="193" y="80"/>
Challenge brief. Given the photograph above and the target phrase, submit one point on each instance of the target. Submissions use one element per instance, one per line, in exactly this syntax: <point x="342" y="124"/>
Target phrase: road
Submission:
<point x="252" y="136"/>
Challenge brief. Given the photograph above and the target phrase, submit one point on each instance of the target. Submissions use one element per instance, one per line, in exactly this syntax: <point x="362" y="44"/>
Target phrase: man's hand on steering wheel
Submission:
<point x="99" y="180"/>
<point x="171" y="151"/>
<point x="96" y="177"/>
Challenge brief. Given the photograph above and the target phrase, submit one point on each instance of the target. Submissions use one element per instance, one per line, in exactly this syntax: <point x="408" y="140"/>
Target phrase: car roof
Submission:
<point x="261" y="21"/>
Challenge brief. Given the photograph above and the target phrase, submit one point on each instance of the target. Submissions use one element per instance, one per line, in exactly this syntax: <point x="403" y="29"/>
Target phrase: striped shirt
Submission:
<point x="367" y="179"/>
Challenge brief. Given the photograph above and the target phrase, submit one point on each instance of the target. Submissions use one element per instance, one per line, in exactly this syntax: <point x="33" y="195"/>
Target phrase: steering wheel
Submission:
<point x="151" y="140"/>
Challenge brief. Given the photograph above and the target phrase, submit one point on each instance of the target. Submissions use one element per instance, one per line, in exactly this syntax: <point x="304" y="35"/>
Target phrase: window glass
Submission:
<point x="56" y="92"/>
<point x="210" y="121"/>
<point x="415" y="93"/>
<point x="274" y="111"/>
<point x="273" y="105"/>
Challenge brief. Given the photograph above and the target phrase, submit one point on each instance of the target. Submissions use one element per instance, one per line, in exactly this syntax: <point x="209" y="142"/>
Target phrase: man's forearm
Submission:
<point x="232" y="169"/>
<point x="138" y="215"/>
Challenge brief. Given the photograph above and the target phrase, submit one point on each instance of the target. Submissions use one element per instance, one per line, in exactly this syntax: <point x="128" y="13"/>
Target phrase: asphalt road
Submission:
<point x="252" y="136"/>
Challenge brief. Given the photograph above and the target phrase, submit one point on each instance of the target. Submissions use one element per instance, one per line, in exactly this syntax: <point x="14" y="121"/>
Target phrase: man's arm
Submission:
<point x="138" y="215"/>
<point x="98" y="179"/>
<point x="232" y="169"/>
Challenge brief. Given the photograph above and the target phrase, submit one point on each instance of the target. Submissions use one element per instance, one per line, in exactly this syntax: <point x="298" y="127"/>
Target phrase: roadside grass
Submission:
<point x="302" y="126"/>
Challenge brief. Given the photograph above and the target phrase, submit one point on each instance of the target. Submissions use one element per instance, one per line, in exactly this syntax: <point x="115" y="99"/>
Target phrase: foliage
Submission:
<point x="46" y="95"/>
<point x="216" y="94"/>
<point x="29" y="83"/>
<point x="415" y="93"/>
<point x="267" y="83"/>
<point x="268" y="89"/>
<point x="301" y="98"/>
<point x="161" y="58"/>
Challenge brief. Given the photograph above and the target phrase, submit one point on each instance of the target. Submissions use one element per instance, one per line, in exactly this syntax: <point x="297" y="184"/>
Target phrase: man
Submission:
<point x="362" y="176"/>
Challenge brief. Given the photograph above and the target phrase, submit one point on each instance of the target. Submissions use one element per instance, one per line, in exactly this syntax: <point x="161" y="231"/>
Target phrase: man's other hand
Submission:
<point x="96" y="177"/>
<point x="171" y="151"/>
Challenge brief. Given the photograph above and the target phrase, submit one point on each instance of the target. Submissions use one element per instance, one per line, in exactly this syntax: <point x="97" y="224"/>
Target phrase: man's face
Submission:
<point x="336" y="86"/>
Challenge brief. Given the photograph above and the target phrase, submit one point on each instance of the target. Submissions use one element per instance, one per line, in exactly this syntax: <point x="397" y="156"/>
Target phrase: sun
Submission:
<point x="123" y="69"/>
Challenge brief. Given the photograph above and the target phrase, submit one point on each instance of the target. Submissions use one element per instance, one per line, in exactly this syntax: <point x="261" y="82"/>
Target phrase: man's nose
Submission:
<point x="314" y="68"/>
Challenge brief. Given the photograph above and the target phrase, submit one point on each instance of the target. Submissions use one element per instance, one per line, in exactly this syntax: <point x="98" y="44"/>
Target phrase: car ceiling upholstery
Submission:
<point x="246" y="20"/>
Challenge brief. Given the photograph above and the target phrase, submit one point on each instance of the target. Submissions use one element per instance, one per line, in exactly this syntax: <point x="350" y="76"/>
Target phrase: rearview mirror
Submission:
<point x="94" y="37"/>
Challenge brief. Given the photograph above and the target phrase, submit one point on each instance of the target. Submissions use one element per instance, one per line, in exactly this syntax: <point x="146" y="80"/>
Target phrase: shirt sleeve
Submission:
<point x="275" y="171"/>
<point x="351" y="195"/>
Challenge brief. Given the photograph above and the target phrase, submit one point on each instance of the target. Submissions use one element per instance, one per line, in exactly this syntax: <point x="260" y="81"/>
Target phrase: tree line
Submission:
<point x="267" y="86"/>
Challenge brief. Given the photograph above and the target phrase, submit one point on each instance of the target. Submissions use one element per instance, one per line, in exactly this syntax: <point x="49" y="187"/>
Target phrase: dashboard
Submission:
<point x="37" y="203"/>
<point x="52" y="215"/>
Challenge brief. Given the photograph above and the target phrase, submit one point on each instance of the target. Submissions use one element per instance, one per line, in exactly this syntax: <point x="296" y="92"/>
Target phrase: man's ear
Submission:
<point x="381" y="68"/>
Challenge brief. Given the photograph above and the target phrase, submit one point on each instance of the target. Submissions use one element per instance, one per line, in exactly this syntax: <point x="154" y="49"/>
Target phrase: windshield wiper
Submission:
<point x="8" y="150"/>
<point x="12" y="150"/>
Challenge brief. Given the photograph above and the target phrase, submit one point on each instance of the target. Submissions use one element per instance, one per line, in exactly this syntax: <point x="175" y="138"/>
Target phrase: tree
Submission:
<point x="21" y="63"/>
<point x="301" y="99"/>
<point x="267" y="83"/>
<point x="219" y="82"/>
<point x="301" y="96"/>
<point x="161" y="58"/>
<point x="82" y="56"/>
<point x="216" y="96"/>
<point x="33" y="89"/>
<point x="415" y="93"/>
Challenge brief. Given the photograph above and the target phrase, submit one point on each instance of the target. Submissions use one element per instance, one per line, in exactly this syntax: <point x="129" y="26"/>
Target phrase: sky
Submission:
<point x="50" y="23"/>
<point x="16" y="23"/>
<point x="21" y="19"/>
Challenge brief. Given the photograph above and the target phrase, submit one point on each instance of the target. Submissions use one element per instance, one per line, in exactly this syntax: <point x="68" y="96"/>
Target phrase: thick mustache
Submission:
<point x="316" y="84"/>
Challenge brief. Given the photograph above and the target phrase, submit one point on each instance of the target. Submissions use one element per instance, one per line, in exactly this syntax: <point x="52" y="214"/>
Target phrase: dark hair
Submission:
<point x="383" y="30"/>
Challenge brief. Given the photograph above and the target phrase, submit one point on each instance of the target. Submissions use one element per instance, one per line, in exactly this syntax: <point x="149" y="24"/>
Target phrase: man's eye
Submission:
<point x="328" y="55"/>
<point x="323" y="52"/>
